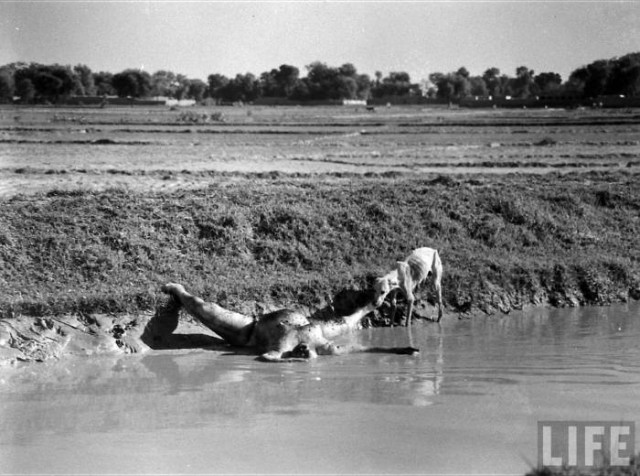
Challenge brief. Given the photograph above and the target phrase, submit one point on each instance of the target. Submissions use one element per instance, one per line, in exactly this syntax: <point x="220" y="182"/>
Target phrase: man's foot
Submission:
<point x="172" y="288"/>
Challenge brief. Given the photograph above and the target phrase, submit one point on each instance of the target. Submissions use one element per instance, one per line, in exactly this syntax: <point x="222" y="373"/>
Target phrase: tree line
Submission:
<point x="38" y="83"/>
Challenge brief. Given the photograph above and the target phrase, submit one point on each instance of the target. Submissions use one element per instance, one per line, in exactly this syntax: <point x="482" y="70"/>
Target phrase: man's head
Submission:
<point x="303" y="351"/>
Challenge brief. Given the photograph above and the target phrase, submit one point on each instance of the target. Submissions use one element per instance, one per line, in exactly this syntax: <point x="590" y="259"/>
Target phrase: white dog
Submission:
<point x="407" y="276"/>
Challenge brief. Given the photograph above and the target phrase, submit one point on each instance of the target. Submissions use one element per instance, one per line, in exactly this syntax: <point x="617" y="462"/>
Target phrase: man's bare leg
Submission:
<point x="233" y="327"/>
<point x="162" y="324"/>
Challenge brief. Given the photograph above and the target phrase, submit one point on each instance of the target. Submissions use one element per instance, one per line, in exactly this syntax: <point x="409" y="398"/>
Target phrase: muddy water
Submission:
<point x="468" y="404"/>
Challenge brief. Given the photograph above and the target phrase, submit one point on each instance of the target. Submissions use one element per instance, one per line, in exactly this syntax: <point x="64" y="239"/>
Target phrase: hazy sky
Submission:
<point x="197" y="38"/>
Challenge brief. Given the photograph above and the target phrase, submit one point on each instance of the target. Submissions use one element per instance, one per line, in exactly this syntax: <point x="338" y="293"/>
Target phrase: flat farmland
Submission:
<point x="162" y="148"/>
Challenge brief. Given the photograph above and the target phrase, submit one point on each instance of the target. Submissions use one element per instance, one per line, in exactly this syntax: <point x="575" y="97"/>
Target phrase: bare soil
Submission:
<point x="154" y="149"/>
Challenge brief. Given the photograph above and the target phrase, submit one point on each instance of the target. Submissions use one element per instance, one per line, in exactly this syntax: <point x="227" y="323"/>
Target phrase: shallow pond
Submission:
<point x="469" y="403"/>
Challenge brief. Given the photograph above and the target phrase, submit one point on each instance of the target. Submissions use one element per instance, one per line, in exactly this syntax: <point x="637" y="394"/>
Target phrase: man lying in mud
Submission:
<point x="281" y="336"/>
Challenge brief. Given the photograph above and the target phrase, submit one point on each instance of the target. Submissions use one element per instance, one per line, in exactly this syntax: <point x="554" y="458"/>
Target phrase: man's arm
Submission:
<point x="332" y="349"/>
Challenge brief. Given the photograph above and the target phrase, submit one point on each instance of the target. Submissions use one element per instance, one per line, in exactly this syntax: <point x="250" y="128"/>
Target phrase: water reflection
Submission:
<point x="472" y="357"/>
<point x="479" y="379"/>
<point x="165" y="390"/>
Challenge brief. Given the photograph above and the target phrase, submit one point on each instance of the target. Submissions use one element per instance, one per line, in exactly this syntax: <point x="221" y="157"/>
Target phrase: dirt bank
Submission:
<point x="258" y="243"/>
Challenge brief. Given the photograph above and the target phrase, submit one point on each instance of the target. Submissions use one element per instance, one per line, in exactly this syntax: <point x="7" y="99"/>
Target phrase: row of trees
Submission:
<point x="526" y="83"/>
<point x="53" y="83"/>
<point x="615" y="76"/>
<point x="612" y="76"/>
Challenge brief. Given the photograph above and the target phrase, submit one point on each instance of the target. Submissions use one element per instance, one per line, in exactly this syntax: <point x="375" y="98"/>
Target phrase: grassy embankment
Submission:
<point x="505" y="241"/>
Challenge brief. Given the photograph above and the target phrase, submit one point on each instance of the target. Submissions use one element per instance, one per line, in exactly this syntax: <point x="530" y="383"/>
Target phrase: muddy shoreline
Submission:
<point x="28" y="339"/>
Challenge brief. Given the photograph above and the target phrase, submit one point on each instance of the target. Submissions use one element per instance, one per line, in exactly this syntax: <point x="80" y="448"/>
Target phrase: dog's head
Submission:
<point x="381" y="287"/>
